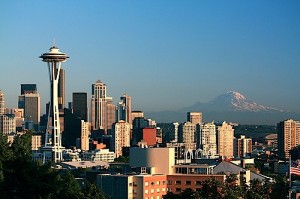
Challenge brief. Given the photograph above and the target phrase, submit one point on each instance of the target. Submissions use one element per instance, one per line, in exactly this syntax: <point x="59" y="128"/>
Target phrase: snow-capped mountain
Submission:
<point x="234" y="101"/>
<point x="230" y="106"/>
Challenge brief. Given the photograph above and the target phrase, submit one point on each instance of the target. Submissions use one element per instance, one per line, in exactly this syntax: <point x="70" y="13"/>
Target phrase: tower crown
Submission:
<point x="54" y="55"/>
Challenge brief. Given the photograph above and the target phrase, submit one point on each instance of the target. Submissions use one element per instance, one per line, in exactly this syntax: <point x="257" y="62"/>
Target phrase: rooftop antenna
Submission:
<point x="54" y="44"/>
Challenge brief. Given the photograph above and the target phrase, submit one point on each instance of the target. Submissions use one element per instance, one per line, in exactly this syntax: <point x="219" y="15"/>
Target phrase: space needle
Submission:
<point x="52" y="149"/>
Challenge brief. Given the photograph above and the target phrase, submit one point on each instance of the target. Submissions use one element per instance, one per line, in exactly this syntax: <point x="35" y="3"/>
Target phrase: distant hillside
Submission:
<point x="231" y="106"/>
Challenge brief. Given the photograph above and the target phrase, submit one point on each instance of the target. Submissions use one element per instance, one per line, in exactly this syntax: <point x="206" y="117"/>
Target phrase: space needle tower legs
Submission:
<point x="53" y="148"/>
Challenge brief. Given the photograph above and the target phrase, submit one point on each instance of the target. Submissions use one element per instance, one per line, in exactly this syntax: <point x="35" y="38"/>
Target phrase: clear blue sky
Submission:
<point x="165" y="54"/>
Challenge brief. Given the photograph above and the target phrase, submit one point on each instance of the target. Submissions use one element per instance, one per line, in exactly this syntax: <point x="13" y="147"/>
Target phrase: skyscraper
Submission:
<point x="2" y="103"/>
<point x="28" y="88"/>
<point x="80" y="105"/>
<point x="225" y="140"/>
<point x="29" y="101"/>
<point x="207" y="140"/>
<point x="187" y="135"/>
<point x="101" y="109"/>
<point x="121" y="137"/>
<point x="288" y="136"/>
<point x="61" y="93"/>
<point x="124" y="109"/>
<point x="194" y="117"/>
<point x="242" y="147"/>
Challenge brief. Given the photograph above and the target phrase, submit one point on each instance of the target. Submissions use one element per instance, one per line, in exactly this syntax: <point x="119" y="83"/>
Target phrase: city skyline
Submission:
<point x="164" y="54"/>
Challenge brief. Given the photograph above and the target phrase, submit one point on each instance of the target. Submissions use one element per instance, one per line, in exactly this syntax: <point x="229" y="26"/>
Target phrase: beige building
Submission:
<point x="142" y="186"/>
<point x="99" y="155"/>
<point x="102" y="108"/>
<point x="2" y="103"/>
<point x="36" y="142"/>
<point x="225" y="140"/>
<point x="194" y="117"/>
<point x="187" y="135"/>
<point x="207" y="139"/>
<point x="153" y="160"/>
<point x="19" y="115"/>
<point x="85" y="135"/>
<point x="288" y="136"/>
<point x="243" y="146"/>
<point x="7" y="124"/>
<point x="120" y="136"/>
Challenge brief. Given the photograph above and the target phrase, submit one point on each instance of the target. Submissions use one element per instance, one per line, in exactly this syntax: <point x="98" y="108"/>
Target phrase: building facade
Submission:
<point x="7" y="124"/>
<point x="120" y="136"/>
<point x="80" y="105"/>
<point x="194" y="117"/>
<point x="186" y="134"/>
<point x="243" y="147"/>
<point x="207" y="140"/>
<point x="102" y="108"/>
<point x="2" y="103"/>
<point x="288" y="137"/>
<point x="123" y="109"/>
<point x="30" y="102"/>
<point x="225" y="140"/>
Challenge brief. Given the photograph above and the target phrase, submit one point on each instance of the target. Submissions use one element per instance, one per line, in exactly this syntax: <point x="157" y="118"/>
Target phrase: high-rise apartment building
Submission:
<point x="194" y="117"/>
<point x="225" y="140"/>
<point x="19" y="115"/>
<point x="124" y="109"/>
<point x="288" y="137"/>
<point x="207" y="140"/>
<point x="30" y="102"/>
<point x="7" y="123"/>
<point x="242" y="147"/>
<point x="110" y="113"/>
<point x="98" y="106"/>
<point x="2" y="103"/>
<point x="120" y="136"/>
<point x="186" y="135"/>
<point x="85" y="135"/>
<point x="80" y="105"/>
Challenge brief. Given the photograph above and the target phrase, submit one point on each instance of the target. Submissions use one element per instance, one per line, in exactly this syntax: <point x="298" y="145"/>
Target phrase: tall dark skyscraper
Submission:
<point x="61" y="90"/>
<point x="80" y="105"/>
<point x="29" y="101"/>
<point x="123" y="111"/>
<point x="28" y="88"/>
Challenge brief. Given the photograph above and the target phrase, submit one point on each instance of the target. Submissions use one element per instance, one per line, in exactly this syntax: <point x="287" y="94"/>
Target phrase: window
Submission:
<point x="198" y="183"/>
<point x="177" y="182"/>
<point x="157" y="182"/>
<point x="152" y="190"/>
<point x="163" y="189"/>
<point x="146" y="184"/>
<point x="146" y="191"/>
<point x="157" y="190"/>
<point x="188" y="182"/>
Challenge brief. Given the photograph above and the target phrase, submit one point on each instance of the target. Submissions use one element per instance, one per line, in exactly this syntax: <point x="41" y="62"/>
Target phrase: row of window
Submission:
<point x="157" y="183"/>
<point x="152" y="190"/>
<point x="188" y="182"/>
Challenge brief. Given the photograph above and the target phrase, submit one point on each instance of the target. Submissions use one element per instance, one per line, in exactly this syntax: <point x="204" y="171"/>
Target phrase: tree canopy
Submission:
<point x="20" y="177"/>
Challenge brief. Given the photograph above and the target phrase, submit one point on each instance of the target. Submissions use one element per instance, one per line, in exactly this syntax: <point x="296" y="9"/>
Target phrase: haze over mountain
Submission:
<point x="231" y="106"/>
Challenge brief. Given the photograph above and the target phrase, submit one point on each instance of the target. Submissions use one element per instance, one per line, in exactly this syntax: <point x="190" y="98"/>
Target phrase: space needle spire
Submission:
<point x="52" y="149"/>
